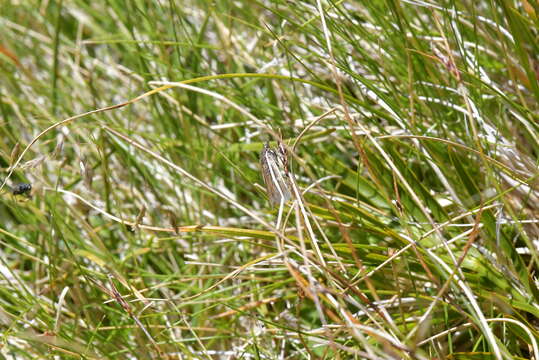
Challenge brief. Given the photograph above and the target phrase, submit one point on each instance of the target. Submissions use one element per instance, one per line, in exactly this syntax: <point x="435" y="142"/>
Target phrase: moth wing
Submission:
<point x="277" y="185"/>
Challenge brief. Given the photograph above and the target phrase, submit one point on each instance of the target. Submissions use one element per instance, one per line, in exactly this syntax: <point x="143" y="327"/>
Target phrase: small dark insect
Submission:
<point x="275" y="173"/>
<point x="22" y="188"/>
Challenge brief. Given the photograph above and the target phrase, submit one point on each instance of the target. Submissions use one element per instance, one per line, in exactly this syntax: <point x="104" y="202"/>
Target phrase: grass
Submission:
<point x="411" y="130"/>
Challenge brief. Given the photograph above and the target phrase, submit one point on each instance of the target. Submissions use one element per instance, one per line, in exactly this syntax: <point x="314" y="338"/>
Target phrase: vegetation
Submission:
<point x="411" y="137"/>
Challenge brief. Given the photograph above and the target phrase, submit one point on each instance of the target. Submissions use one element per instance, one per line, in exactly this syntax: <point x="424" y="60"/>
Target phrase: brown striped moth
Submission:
<point x="274" y="163"/>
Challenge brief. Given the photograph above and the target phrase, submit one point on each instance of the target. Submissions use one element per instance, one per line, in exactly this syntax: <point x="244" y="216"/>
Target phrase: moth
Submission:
<point x="274" y="164"/>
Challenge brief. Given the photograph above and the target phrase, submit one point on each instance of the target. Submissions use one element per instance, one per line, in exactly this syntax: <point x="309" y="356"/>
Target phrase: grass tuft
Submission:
<point x="410" y="130"/>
